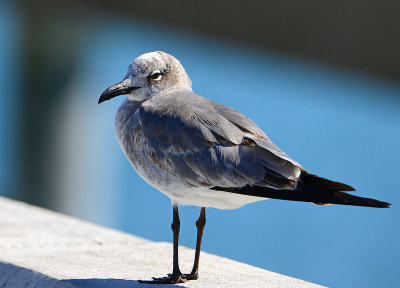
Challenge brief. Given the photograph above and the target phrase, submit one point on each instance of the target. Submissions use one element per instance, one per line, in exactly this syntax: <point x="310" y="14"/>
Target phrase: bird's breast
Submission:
<point x="134" y="145"/>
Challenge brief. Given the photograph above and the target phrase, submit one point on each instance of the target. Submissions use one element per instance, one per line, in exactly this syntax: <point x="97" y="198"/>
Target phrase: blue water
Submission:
<point x="336" y="123"/>
<point x="10" y="91"/>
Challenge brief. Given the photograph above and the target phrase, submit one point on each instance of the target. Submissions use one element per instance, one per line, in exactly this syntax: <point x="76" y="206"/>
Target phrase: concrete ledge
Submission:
<point x="41" y="248"/>
<point x="15" y="276"/>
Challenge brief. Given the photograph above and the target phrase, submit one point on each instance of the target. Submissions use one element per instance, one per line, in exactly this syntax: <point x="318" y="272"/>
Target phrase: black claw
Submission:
<point x="171" y="279"/>
<point x="191" y="276"/>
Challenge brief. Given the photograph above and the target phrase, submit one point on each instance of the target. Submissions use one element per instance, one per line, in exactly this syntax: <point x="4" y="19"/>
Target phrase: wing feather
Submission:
<point x="210" y="144"/>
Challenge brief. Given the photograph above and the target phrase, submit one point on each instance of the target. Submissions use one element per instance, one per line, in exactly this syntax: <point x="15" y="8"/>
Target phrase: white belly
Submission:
<point x="183" y="194"/>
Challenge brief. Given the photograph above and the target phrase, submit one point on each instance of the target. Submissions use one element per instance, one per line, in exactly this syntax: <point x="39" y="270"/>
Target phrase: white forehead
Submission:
<point x="145" y="64"/>
<point x="150" y="57"/>
<point x="148" y="62"/>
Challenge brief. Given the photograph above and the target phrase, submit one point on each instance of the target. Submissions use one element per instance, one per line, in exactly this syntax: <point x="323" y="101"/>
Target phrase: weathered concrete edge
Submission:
<point x="35" y="244"/>
<point x="15" y="276"/>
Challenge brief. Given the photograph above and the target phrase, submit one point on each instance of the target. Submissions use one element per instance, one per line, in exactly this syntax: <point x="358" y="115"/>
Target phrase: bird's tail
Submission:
<point x="310" y="188"/>
<point x="324" y="191"/>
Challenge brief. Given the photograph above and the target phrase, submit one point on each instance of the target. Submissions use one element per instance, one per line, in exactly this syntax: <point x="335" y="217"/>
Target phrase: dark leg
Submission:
<point x="200" y="223"/>
<point x="176" y="276"/>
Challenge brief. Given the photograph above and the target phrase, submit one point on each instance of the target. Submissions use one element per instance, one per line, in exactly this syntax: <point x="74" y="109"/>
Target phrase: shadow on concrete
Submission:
<point x="113" y="283"/>
<point x="13" y="276"/>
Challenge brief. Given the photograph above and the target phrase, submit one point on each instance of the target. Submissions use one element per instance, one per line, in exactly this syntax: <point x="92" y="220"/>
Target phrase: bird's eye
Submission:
<point x="156" y="75"/>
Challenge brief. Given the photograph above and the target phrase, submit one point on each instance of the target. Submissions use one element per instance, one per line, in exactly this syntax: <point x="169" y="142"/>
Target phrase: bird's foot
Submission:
<point x="191" y="276"/>
<point x="170" y="279"/>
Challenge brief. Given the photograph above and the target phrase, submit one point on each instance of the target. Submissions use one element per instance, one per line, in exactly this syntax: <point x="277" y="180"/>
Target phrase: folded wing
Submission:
<point x="209" y="144"/>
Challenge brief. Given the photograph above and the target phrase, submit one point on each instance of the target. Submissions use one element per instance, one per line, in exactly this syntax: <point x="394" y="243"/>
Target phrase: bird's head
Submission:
<point x="147" y="75"/>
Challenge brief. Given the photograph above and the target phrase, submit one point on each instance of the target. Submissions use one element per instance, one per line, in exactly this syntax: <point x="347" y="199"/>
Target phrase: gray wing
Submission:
<point x="209" y="144"/>
<point x="256" y="134"/>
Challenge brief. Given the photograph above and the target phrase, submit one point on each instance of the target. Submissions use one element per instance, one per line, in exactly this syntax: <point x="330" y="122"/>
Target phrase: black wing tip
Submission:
<point x="380" y="205"/>
<point x="317" y="197"/>
<point x="384" y="205"/>
<point x="323" y="182"/>
<point x="349" y="199"/>
<point x="376" y="204"/>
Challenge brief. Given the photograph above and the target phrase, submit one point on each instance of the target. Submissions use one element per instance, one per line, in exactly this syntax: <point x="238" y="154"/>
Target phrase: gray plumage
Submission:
<point x="200" y="142"/>
<point x="195" y="150"/>
<point x="178" y="140"/>
<point x="203" y="153"/>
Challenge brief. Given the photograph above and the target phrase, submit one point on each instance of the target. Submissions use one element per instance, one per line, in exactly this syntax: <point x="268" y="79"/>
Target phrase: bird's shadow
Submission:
<point x="114" y="283"/>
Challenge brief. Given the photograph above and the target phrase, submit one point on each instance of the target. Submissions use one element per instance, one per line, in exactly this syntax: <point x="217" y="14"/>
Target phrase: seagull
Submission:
<point x="202" y="153"/>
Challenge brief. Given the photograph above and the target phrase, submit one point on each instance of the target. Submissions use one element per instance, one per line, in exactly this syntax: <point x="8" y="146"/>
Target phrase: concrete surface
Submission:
<point x="42" y="248"/>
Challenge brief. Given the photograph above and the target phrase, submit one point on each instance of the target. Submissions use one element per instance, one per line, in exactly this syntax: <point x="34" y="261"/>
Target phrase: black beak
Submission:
<point x="120" y="88"/>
